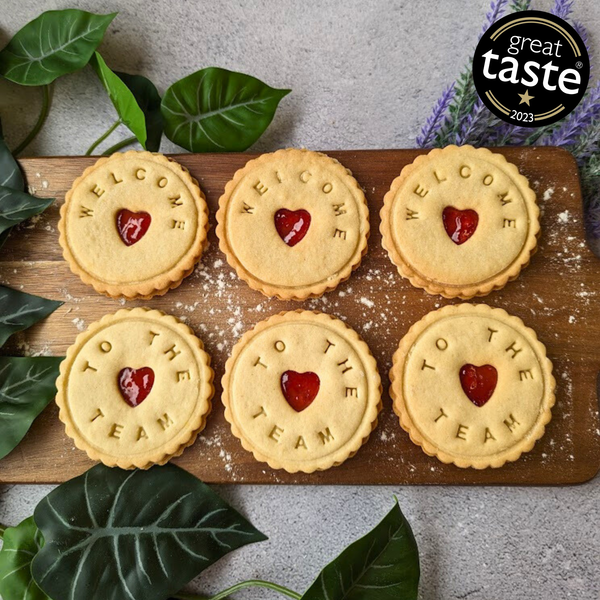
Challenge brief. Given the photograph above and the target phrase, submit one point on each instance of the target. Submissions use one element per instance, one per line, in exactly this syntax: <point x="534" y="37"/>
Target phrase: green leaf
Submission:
<point x="56" y="43"/>
<point x="19" y="311"/>
<point x="148" y="99"/>
<point x="134" y="535"/>
<point x="21" y="544"/>
<point x="10" y="173"/>
<point x="383" y="565"/>
<point x="4" y="236"/>
<point x="26" y="388"/>
<point x="215" y="110"/>
<point x="15" y="207"/>
<point x="122" y="98"/>
<point x="10" y="177"/>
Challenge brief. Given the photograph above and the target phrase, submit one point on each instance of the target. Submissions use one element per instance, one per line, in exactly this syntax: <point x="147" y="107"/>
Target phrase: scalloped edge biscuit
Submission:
<point x="300" y="293"/>
<point x="162" y="283"/>
<point x="177" y="446"/>
<point x="396" y="375"/>
<point x="369" y="422"/>
<point x="483" y="288"/>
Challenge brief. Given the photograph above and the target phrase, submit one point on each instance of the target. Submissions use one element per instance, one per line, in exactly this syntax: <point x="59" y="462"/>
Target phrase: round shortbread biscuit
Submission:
<point x="135" y="388"/>
<point x="293" y="224"/>
<point x="133" y="225"/>
<point x="301" y="391"/>
<point x="472" y="385"/>
<point x="460" y="222"/>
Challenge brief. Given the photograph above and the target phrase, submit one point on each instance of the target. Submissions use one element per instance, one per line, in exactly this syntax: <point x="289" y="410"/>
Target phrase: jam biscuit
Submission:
<point x="135" y="389"/>
<point x="133" y="225"/>
<point x="302" y="391"/>
<point x="293" y="224"/>
<point x="460" y="222"/>
<point x="472" y="386"/>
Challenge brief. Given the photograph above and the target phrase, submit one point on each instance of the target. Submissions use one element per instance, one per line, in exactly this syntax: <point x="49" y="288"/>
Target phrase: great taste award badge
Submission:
<point x="531" y="68"/>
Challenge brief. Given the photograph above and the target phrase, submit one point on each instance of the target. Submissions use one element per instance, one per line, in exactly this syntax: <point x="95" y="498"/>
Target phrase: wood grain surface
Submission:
<point x="557" y="295"/>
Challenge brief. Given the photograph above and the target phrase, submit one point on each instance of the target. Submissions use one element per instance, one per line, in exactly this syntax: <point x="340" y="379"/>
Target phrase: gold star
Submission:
<point x="525" y="98"/>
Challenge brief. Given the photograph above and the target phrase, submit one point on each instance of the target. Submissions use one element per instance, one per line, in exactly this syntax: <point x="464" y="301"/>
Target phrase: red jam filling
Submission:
<point x="300" y="389"/>
<point x="292" y="225"/>
<point x="135" y="384"/>
<point x="460" y="225"/>
<point x="132" y="226"/>
<point x="478" y="383"/>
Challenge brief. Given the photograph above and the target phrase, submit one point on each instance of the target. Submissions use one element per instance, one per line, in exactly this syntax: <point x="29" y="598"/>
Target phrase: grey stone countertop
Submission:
<point x="364" y="74"/>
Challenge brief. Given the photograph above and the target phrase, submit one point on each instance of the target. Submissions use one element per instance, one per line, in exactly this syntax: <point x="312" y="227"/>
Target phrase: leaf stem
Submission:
<point x="103" y="137"/>
<point x="240" y="586"/>
<point x="39" y="124"/>
<point x="119" y="145"/>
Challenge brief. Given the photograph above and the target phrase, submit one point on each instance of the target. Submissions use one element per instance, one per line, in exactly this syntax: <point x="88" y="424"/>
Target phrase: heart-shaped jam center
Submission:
<point x="478" y="383"/>
<point x="460" y="225"/>
<point x="135" y="384"/>
<point x="292" y="225"/>
<point x="300" y="389"/>
<point x="132" y="226"/>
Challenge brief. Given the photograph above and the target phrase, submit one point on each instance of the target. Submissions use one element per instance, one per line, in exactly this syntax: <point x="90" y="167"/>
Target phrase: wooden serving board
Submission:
<point x="557" y="295"/>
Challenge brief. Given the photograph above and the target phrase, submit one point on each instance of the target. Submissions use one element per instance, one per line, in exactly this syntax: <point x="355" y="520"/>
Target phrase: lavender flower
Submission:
<point x="579" y="27"/>
<point x="477" y="126"/>
<point x="578" y="121"/>
<point x="494" y="13"/>
<point x="588" y="145"/>
<point x="583" y="34"/>
<point x="506" y="134"/>
<point x="503" y="135"/>
<point x="593" y="216"/>
<point x="434" y="122"/>
<point x="563" y="8"/>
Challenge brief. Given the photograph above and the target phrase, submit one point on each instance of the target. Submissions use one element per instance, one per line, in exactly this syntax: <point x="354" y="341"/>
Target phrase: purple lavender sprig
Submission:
<point x="494" y="13"/>
<point x="592" y="224"/>
<point x="477" y="127"/>
<point x="579" y="27"/>
<point x="583" y="34"/>
<point x="577" y="122"/>
<point x="588" y="144"/>
<point x="438" y="115"/>
<point x="503" y="135"/>
<point x="563" y="8"/>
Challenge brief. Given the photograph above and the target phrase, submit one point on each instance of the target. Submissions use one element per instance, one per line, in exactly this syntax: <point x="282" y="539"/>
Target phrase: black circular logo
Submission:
<point x="531" y="68"/>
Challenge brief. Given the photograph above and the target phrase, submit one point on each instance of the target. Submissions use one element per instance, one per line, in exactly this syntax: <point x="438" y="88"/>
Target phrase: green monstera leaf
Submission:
<point x="19" y="310"/>
<point x="215" y="110"/>
<point x="20" y="546"/>
<point x="16" y="206"/>
<point x="383" y="565"/>
<point x="26" y="388"/>
<point x="122" y="98"/>
<point x="135" y="535"/>
<point x="56" y="43"/>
